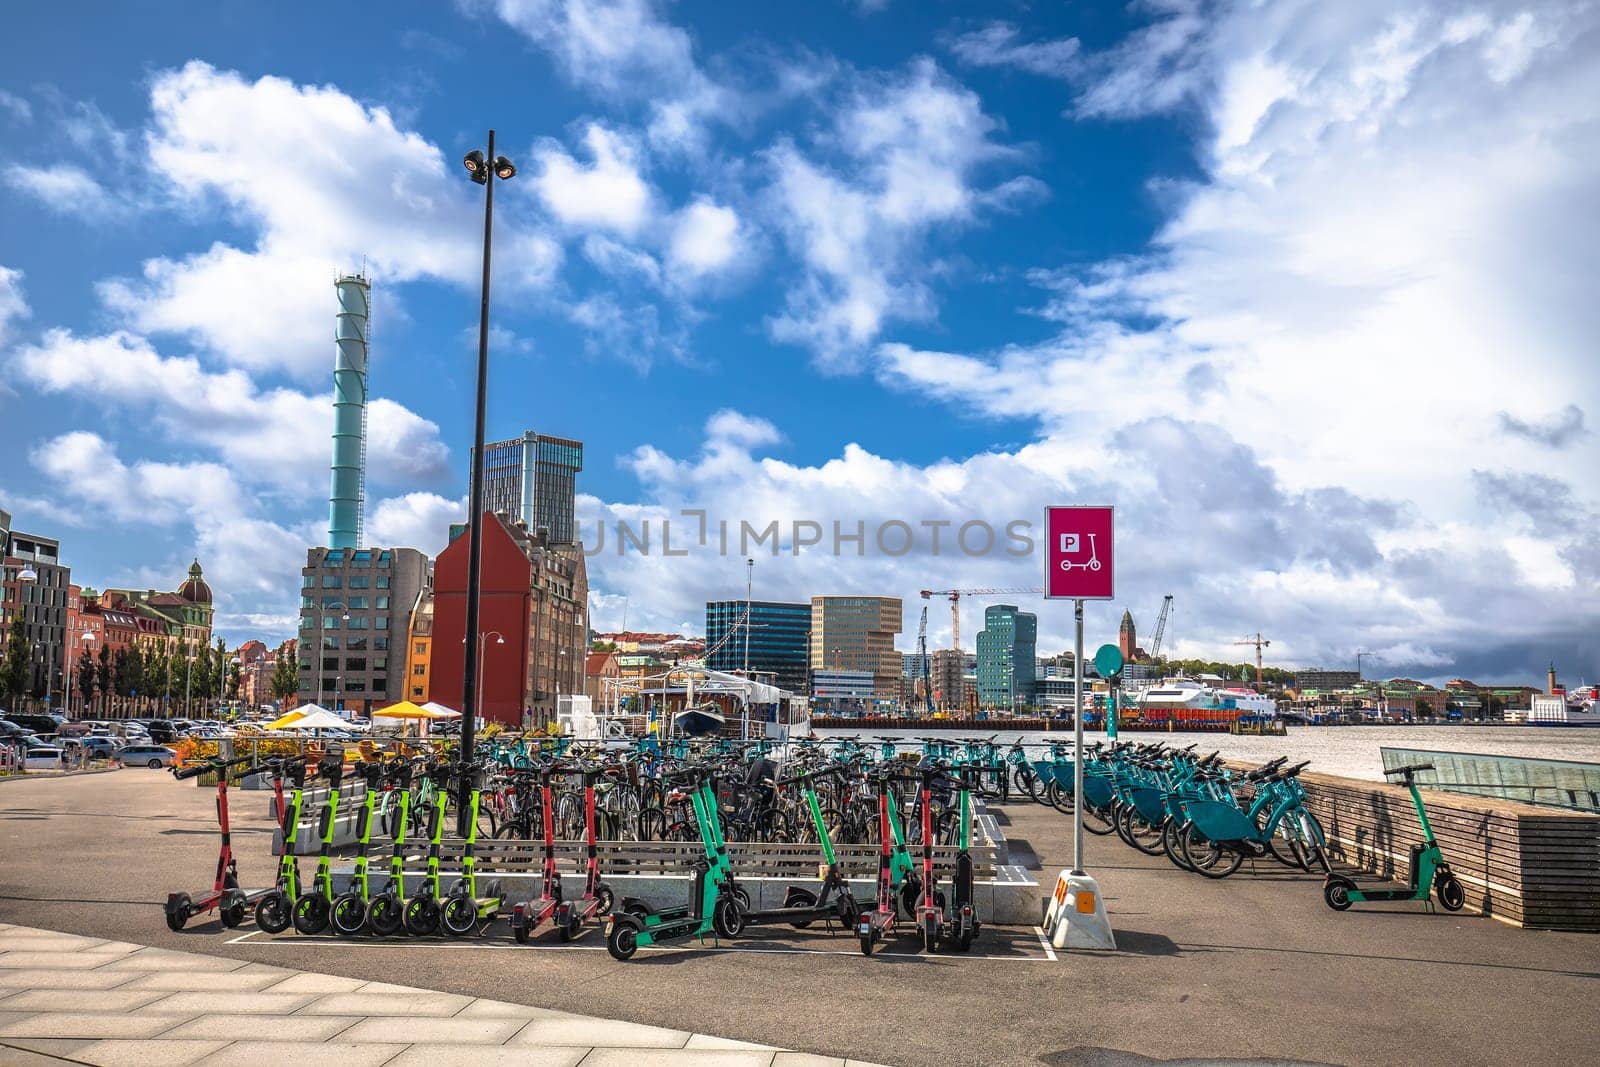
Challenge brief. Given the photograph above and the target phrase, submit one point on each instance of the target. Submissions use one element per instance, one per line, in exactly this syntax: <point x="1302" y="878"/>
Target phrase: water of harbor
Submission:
<point x="1348" y="751"/>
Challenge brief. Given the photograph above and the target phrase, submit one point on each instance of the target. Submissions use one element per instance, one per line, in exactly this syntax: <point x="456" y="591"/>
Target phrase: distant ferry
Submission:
<point x="1184" y="693"/>
<point x="1577" y="708"/>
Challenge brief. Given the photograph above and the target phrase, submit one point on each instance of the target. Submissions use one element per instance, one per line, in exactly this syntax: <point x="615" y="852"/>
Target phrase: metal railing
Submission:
<point x="1549" y="783"/>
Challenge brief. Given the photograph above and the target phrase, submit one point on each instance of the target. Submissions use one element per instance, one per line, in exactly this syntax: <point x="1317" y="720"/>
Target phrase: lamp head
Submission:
<point x="476" y="166"/>
<point x="504" y="168"/>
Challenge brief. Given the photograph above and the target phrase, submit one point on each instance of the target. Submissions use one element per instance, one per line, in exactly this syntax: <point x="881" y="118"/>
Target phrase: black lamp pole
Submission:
<point x="483" y="169"/>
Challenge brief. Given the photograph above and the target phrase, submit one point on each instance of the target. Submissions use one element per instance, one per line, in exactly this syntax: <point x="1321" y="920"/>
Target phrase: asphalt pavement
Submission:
<point x="1253" y="968"/>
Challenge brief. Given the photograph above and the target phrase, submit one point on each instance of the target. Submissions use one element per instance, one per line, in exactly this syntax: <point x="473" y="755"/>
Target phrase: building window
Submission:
<point x="356" y="644"/>
<point x="355" y="686"/>
<point x="383" y="603"/>
<point x="330" y="642"/>
<point x="416" y="690"/>
<point x="382" y="622"/>
<point x="359" y="581"/>
<point x="331" y="622"/>
<point x="307" y="581"/>
<point x="380" y="643"/>
<point x="355" y="663"/>
<point x="422" y="648"/>
<point x="330" y="663"/>
<point x="383" y="581"/>
<point x="357" y="622"/>
<point x="420" y="670"/>
<point x="357" y="603"/>
<point x="330" y="581"/>
<point x="380" y="684"/>
<point x="380" y="663"/>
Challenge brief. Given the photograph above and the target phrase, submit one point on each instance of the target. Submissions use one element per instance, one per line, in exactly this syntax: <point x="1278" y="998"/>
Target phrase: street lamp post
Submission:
<point x="484" y="168"/>
<point x="499" y="639"/>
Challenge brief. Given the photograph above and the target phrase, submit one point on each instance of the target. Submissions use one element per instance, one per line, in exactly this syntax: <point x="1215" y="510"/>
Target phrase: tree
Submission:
<point x="286" y="673"/>
<point x="220" y="674"/>
<point x="155" y="678"/>
<point x="86" y="678"/>
<point x="16" y="662"/>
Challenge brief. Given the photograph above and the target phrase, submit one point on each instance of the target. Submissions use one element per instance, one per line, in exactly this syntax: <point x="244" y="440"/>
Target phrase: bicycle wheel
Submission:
<point x="488" y="820"/>
<point x="1096" y="820"/>
<point x="1026" y="780"/>
<point x="1172" y="844"/>
<point x="1142" y="835"/>
<point x="1211" y="858"/>
<point x="652" y="825"/>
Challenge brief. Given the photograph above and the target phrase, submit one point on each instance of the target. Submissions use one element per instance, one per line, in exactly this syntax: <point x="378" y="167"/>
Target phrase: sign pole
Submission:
<point x="1077" y="741"/>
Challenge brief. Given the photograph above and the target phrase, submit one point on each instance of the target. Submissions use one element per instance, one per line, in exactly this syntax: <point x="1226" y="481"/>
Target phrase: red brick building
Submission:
<point x="532" y="621"/>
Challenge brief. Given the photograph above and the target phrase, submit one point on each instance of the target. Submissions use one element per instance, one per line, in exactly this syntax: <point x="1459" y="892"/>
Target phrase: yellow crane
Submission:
<point x="955" y="596"/>
<point x="1260" y="643"/>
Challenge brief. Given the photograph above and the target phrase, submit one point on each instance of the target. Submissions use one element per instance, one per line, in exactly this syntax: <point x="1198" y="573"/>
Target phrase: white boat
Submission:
<point x="1188" y="694"/>
<point x="1577" y="708"/>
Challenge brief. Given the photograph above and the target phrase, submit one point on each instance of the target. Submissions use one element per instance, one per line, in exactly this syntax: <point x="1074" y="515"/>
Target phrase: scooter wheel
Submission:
<point x="272" y="912"/>
<point x="349" y="915"/>
<point x="519" y="932"/>
<point x="622" y="942"/>
<point x="930" y="934"/>
<point x="421" y="917"/>
<point x="384" y="916"/>
<point x="727" y="918"/>
<point x="800" y="898"/>
<point x="572" y="929"/>
<point x="1336" y="891"/>
<point x="231" y="914"/>
<point x="179" y="908"/>
<point x="866" y="943"/>
<point x="460" y="916"/>
<point x="606" y="900"/>
<point x="1451" y="896"/>
<point x="311" y="914"/>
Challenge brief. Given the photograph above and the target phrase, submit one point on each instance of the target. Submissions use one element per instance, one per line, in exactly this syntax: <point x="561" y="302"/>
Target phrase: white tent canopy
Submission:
<point x="440" y="711"/>
<point x="320" y="719"/>
<point x="712" y="683"/>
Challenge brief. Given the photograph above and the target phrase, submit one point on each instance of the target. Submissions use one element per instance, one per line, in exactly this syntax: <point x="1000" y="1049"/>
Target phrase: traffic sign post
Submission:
<point x="1108" y="665"/>
<point x="1080" y="564"/>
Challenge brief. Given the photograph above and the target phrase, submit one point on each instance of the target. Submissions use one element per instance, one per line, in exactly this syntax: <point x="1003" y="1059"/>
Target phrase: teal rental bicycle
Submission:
<point x="1429" y="871"/>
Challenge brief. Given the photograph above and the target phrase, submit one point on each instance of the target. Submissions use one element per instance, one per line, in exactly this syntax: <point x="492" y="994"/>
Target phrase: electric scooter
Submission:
<point x="832" y="899"/>
<point x="464" y="910"/>
<point x="930" y="912"/>
<point x="349" y="912"/>
<point x="597" y="897"/>
<point x="898" y="886"/>
<point x="275" y="909"/>
<point x="385" y="912"/>
<point x="421" y="915"/>
<point x="961" y="923"/>
<point x="311" y="909"/>
<point x="1429" y="871"/>
<point x="711" y="908"/>
<point x="530" y="914"/>
<point x="224" y="895"/>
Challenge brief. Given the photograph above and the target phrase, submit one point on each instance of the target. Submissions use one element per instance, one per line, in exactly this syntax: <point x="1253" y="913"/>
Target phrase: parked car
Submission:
<point x="39" y="724"/>
<point x="146" y="756"/>
<point x="95" y="747"/>
<point x="43" y="758"/>
<point x="11" y="729"/>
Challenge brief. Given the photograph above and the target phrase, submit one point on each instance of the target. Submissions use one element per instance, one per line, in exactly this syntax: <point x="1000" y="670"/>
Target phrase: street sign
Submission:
<point x="1079" y="553"/>
<point x="1108" y="661"/>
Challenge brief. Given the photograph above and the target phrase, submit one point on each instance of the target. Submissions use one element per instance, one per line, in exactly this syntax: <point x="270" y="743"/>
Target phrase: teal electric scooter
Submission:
<point x="1429" y="871"/>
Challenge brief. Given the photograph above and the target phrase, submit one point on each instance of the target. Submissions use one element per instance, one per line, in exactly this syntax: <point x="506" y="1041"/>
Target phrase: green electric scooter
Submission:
<point x="464" y="910"/>
<point x="712" y="907"/>
<point x="386" y="912"/>
<point x="311" y="909"/>
<point x="421" y="914"/>
<point x="1429" y="871"/>
<point x="275" y="909"/>
<point x="349" y="913"/>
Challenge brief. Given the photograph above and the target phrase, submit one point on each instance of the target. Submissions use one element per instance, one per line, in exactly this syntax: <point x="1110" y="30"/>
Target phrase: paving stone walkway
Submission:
<point x="70" y="999"/>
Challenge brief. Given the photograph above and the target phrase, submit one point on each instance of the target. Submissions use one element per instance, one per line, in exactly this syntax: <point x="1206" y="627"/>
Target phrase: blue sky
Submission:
<point x="1304" y="293"/>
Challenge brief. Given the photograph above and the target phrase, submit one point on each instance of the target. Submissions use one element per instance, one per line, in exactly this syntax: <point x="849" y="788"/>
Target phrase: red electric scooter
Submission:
<point x="225" y="897"/>
<point x="529" y="915"/>
<point x="597" y="896"/>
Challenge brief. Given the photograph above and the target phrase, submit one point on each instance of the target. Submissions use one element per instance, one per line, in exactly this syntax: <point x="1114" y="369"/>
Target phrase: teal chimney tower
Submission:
<point x="347" y="484"/>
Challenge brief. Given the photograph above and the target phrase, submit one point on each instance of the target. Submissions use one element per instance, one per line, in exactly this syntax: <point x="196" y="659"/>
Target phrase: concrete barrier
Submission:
<point x="1532" y="866"/>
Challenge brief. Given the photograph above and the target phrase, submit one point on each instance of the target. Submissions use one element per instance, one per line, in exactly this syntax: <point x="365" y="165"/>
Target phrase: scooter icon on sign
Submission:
<point x="1071" y="542"/>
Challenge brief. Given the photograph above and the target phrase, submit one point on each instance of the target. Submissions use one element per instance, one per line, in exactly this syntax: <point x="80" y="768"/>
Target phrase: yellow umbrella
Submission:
<point x="292" y="717"/>
<point x="403" y="710"/>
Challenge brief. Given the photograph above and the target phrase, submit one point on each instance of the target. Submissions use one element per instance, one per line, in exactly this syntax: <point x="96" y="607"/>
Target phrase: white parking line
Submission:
<point x="256" y="937"/>
<point x="1044" y="943"/>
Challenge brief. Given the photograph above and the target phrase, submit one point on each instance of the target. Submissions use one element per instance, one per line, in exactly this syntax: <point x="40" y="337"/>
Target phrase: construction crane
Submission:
<point x="1260" y="643"/>
<point x="955" y="596"/>
<point x="927" y="672"/>
<point x="1161" y="627"/>
<point x="1363" y="654"/>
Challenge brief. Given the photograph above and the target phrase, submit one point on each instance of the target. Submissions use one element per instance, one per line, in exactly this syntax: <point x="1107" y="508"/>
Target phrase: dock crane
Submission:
<point x="927" y="672"/>
<point x="955" y="596"/>
<point x="1260" y="643"/>
<point x="1161" y="627"/>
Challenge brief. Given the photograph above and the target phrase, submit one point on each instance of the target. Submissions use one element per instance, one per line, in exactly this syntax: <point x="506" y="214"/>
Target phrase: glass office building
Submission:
<point x="779" y="636"/>
<point x="1007" y="664"/>
<point x="533" y="479"/>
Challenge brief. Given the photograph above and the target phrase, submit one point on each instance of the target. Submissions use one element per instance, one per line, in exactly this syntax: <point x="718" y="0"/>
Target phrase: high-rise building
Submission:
<point x="947" y="667"/>
<point x="1127" y="638"/>
<point x="355" y="617"/>
<point x="532" y="623"/>
<point x="779" y="636"/>
<point x="532" y="479"/>
<point x="1007" y="657"/>
<point x="41" y="601"/>
<point x="856" y="633"/>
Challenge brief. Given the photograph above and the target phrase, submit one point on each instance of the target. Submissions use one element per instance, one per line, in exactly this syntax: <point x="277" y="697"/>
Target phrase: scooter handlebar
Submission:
<point x="212" y="764"/>
<point x="1409" y="769"/>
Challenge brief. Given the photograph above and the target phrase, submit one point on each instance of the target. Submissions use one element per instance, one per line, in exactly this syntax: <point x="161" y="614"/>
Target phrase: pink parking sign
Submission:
<point x="1079" y="553"/>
